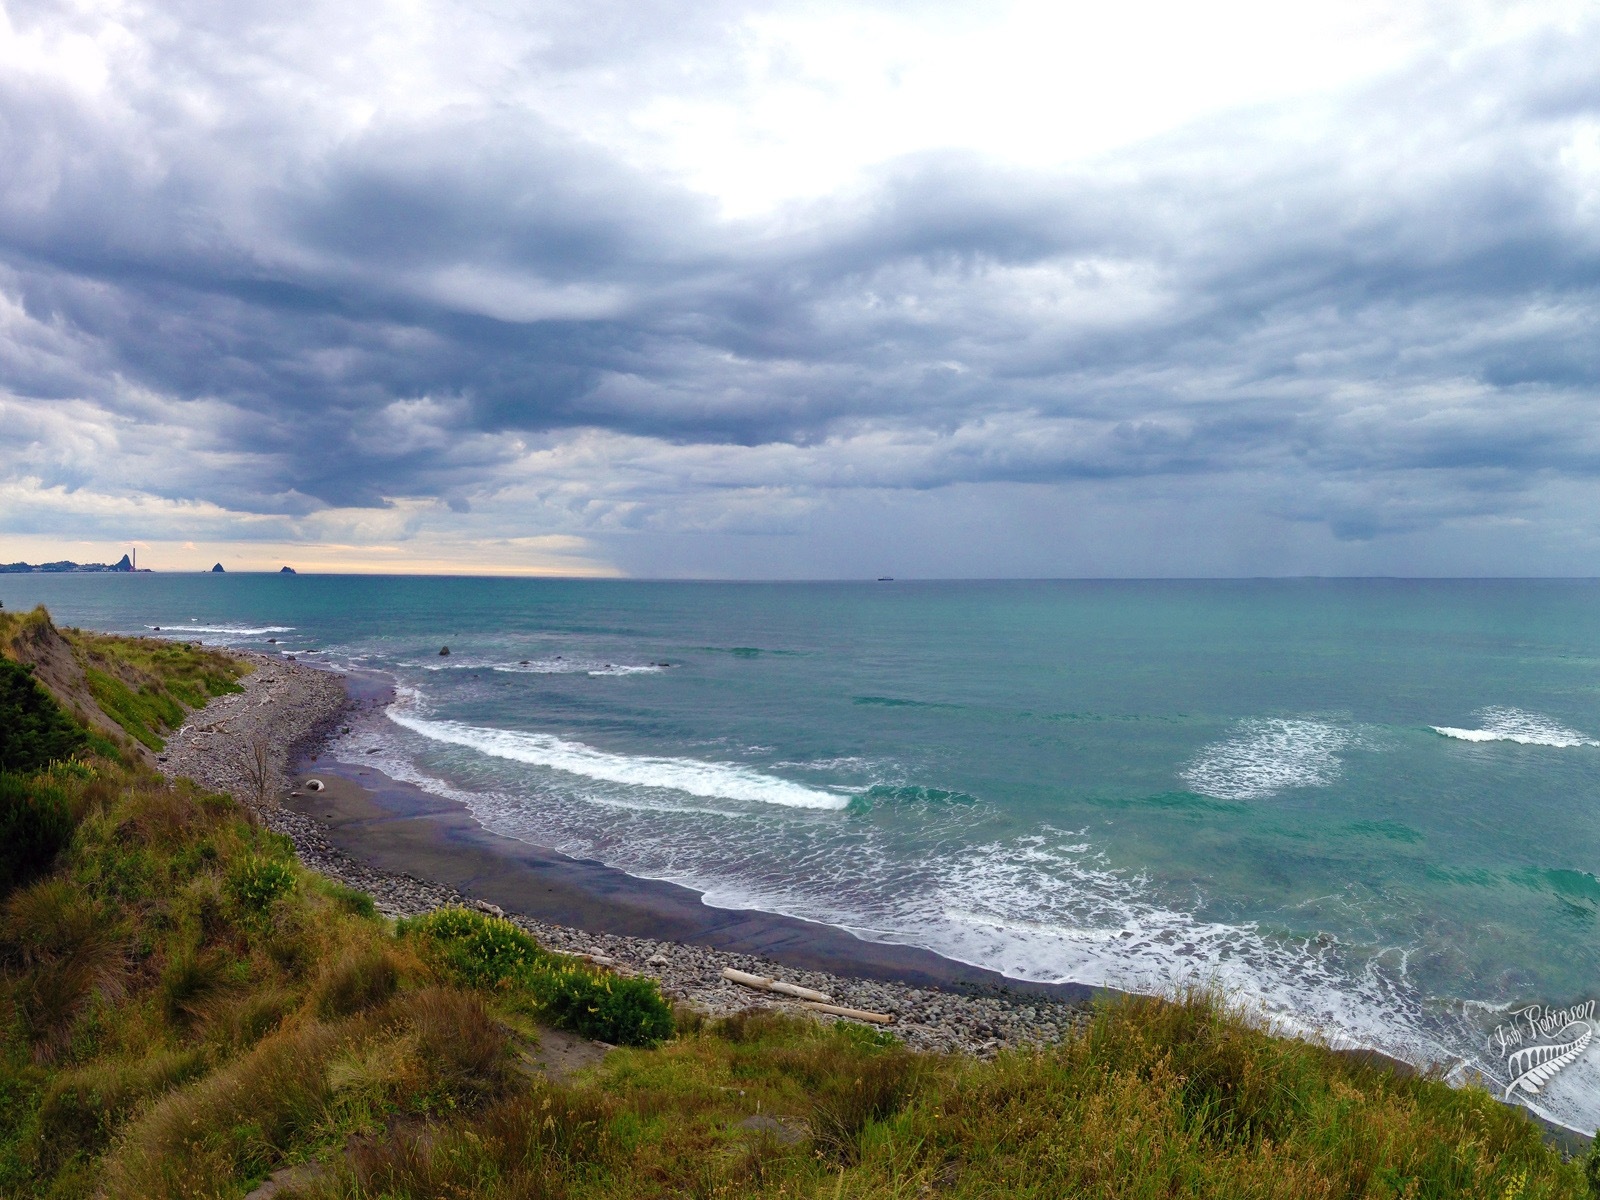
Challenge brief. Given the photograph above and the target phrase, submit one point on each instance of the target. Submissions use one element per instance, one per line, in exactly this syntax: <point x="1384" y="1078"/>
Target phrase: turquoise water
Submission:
<point x="1133" y="783"/>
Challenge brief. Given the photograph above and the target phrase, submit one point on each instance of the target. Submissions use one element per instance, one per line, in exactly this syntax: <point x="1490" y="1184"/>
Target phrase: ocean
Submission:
<point x="1367" y="809"/>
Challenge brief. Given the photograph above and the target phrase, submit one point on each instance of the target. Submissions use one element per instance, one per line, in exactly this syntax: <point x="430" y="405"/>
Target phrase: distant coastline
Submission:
<point x="66" y="567"/>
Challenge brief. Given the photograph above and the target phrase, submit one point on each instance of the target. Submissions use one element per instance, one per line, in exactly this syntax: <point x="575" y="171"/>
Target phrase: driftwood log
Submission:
<point x="856" y="1014"/>
<point x="810" y="998"/>
<point x="765" y="983"/>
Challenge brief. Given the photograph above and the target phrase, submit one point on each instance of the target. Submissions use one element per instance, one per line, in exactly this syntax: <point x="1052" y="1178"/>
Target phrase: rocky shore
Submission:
<point x="245" y="744"/>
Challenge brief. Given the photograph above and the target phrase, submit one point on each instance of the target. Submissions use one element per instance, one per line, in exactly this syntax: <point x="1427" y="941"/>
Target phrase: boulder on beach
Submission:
<point x="217" y="570"/>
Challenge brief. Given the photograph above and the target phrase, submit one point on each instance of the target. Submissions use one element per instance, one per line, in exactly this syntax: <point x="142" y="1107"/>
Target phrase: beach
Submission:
<point x="413" y="851"/>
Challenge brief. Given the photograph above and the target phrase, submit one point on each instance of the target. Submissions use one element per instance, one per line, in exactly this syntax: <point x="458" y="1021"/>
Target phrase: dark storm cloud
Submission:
<point x="1411" y="296"/>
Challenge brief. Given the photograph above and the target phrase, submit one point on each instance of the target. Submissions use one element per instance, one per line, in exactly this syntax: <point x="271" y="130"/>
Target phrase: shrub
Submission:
<point x="478" y="950"/>
<point x="475" y="949"/>
<point x="609" y="1008"/>
<point x="33" y="729"/>
<point x="35" y="825"/>
<point x="256" y="882"/>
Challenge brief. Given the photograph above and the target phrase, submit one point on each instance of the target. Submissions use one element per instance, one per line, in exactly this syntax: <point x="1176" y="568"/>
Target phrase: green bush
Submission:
<point x="474" y="948"/>
<point x="33" y="729"/>
<point x="596" y="1004"/>
<point x="256" y="882"/>
<point x="478" y="950"/>
<point x="35" y="825"/>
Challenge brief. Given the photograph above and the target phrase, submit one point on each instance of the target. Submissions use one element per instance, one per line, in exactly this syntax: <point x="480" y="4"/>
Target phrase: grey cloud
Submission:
<point x="396" y="311"/>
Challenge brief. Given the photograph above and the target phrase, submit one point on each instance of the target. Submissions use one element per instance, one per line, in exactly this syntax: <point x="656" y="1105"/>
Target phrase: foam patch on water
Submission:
<point x="1268" y="756"/>
<point x="1515" y="725"/>
<point x="709" y="780"/>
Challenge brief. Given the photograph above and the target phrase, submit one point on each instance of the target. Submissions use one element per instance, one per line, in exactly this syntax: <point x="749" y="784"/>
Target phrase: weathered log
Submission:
<point x="765" y="983"/>
<point x="856" y="1014"/>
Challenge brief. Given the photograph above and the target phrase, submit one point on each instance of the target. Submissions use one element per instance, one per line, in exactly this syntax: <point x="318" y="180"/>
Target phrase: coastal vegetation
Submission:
<point x="187" y="1011"/>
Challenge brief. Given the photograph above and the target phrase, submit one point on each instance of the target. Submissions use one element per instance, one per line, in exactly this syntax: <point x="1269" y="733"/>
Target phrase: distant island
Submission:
<point x="21" y="568"/>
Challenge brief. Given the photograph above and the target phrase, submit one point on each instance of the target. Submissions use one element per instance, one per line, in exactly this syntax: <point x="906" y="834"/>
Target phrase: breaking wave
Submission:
<point x="230" y="630"/>
<point x="710" y="780"/>
<point x="1515" y="725"/>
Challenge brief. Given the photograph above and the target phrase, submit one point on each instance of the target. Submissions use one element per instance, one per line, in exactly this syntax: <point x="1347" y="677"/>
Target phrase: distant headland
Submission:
<point x="125" y="563"/>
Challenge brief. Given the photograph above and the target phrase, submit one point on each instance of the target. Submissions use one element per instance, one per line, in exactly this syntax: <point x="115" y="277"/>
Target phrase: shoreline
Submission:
<point x="413" y="850"/>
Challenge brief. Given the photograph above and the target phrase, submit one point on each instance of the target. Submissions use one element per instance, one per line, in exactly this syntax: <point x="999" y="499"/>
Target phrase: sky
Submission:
<point x="815" y="290"/>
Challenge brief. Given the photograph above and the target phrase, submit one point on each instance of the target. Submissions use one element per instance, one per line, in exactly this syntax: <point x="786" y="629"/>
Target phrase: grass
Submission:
<point x="185" y="1010"/>
<point x="148" y="687"/>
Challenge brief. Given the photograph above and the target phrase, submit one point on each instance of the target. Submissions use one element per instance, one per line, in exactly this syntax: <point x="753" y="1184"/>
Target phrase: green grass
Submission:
<point x="184" y="1009"/>
<point x="185" y="672"/>
<point x="149" y="687"/>
<point x="146" y="685"/>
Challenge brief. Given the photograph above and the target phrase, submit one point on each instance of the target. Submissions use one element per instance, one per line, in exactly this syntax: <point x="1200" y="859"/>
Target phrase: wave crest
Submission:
<point x="710" y="780"/>
<point x="1516" y="725"/>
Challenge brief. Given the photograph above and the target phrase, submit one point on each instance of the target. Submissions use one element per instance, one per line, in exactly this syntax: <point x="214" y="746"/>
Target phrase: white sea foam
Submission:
<point x="231" y="630"/>
<point x="710" y="780"/>
<point x="1515" y="725"/>
<point x="1266" y="757"/>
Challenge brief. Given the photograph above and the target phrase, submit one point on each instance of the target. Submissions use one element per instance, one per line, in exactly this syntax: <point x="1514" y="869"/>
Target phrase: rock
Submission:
<point x="287" y="571"/>
<point x="217" y="570"/>
<point x="444" y="651"/>
<point x="314" y="785"/>
<point x="494" y="910"/>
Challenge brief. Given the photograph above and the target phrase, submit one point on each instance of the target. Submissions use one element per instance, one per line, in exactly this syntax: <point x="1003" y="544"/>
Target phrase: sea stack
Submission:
<point x="217" y="570"/>
<point x="287" y="571"/>
<point x="443" y="651"/>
